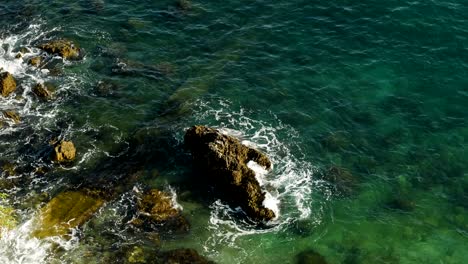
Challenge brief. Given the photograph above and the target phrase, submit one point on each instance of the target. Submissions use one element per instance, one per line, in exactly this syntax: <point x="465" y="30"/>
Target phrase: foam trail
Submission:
<point x="17" y="246"/>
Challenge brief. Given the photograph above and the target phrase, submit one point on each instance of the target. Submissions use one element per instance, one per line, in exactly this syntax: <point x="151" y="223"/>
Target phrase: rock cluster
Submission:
<point x="224" y="160"/>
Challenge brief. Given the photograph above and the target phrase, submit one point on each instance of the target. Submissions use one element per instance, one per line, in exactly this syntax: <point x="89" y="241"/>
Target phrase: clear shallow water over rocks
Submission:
<point x="361" y="108"/>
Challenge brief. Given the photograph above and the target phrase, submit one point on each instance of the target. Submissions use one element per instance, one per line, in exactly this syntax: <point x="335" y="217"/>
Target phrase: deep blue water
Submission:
<point x="362" y="108"/>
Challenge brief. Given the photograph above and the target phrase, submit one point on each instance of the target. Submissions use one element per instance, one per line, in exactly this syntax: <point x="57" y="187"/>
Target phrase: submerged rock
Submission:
<point x="65" y="211"/>
<point x="342" y="179"/>
<point x="12" y="115"/>
<point x="64" y="48"/>
<point x="310" y="257"/>
<point x="43" y="91"/>
<point x="7" y="84"/>
<point x="184" y="5"/>
<point x="225" y="159"/>
<point x="64" y="151"/>
<point x="183" y="256"/>
<point x="156" y="211"/>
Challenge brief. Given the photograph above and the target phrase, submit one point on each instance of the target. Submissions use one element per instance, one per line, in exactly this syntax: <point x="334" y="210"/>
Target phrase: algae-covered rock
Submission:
<point x="225" y="159"/>
<point x="7" y="84"/>
<point x="65" y="211"/>
<point x="7" y="214"/>
<point x="43" y="91"/>
<point x="64" y="48"/>
<point x="136" y="255"/>
<point x="156" y="211"/>
<point x="183" y="256"/>
<point x="35" y="61"/>
<point x="64" y="151"/>
<point x="12" y="115"/>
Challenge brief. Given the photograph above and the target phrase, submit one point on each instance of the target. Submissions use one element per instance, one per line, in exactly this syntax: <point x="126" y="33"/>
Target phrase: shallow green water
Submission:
<point x="375" y="90"/>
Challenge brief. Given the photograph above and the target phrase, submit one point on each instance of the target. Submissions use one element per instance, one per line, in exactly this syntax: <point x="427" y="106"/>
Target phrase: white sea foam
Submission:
<point x="17" y="246"/>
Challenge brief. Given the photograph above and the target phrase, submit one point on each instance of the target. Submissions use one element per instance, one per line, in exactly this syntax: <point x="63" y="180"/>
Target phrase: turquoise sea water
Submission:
<point x="361" y="105"/>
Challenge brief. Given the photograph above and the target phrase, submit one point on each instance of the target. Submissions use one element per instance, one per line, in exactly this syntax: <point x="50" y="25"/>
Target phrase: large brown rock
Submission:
<point x="65" y="211"/>
<point x="64" y="151"/>
<point x="64" y="48"/>
<point x="224" y="159"/>
<point x="7" y="84"/>
<point x="12" y="115"/>
<point x="156" y="211"/>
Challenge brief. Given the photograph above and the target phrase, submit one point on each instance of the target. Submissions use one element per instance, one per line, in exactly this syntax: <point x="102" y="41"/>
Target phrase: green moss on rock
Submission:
<point x="64" y="48"/>
<point x="65" y="211"/>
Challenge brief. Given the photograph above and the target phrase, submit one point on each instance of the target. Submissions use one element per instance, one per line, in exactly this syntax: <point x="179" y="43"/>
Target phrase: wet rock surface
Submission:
<point x="224" y="161"/>
<point x="65" y="211"/>
<point x="12" y="115"/>
<point x="62" y="47"/>
<point x="35" y="61"/>
<point x="64" y="151"/>
<point x="7" y="84"/>
<point x="43" y="91"/>
<point x="156" y="212"/>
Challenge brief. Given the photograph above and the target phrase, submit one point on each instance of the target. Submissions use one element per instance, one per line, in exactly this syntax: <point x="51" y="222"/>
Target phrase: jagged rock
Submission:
<point x="7" y="84"/>
<point x="310" y="257"/>
<point x="225" y="159"/>
<point x="35" y="61"/>
<point x="18" y="55"/>
<point x="183" y="256"/>
<point x="65" y="211"/>
<point x="12" y="115"/>
<point x="156" y="211"/>
<point x="64" y="48"/>
<point x="64" y="151"/>
<point x="43" y="91"/>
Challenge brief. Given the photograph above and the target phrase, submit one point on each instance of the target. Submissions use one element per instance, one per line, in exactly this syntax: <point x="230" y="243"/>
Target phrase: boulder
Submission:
<point x="64" y="151"/>
<point x="43" y="91"/>
<point x="64" y="48"/>
<point x="12" y="115"/>
<point x="7" y="84"/>
<point x="183" y="256"/>
<point x="66" y="211"/>
<point x="224" y="160"/>
<point x="35" y="61"/>
<point x="156" y="212"/>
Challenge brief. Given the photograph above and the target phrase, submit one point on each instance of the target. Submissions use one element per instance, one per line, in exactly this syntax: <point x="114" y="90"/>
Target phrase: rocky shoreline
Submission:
<point x="223" y="160"/>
